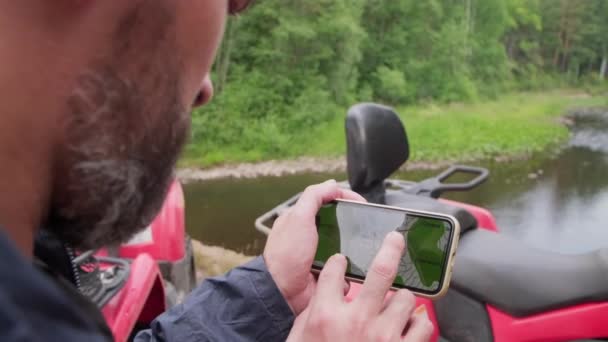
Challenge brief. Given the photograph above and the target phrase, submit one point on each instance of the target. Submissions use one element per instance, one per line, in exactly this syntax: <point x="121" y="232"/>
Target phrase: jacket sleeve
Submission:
<point x="243" y="305"/>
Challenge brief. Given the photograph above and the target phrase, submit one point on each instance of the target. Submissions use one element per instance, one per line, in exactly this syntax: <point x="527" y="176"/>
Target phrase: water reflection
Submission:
<point x="565" y="209"/>
<point x="590" y="132"/>
<point x="222" y="212"/>
<point x="555" y="201"/>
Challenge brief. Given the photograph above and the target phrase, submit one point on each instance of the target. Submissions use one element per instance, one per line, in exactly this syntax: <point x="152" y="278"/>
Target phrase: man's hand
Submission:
<point x="368" y="318"/>
<point x="292" y="244"/>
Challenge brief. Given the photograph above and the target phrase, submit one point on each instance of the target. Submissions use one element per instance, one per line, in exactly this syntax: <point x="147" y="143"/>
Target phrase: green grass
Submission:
<point x="514" y="124"/>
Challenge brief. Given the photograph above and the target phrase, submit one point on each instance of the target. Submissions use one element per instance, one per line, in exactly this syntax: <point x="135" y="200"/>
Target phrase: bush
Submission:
<point x="392" y="86"/>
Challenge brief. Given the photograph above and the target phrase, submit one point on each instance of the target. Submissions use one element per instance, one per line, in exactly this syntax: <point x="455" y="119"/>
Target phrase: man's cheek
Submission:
<point x="199" y="32"/>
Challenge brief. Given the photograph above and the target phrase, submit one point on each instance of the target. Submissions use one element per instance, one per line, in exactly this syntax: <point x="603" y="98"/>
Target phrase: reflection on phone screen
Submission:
<point x="357" y="231"/>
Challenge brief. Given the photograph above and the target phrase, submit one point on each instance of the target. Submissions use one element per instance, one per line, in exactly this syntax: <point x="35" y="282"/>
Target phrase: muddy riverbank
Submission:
<point x="212" y="261"/>
<point x="279" y="168"/>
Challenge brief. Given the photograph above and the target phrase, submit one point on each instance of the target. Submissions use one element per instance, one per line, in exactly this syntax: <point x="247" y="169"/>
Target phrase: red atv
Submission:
<point x="501" y="289"/>
<point x="162" y="270"/>
<point x="135" y="282"/>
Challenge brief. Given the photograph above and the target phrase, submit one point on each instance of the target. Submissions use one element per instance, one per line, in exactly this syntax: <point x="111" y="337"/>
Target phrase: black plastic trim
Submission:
<point x="462" y="318"/>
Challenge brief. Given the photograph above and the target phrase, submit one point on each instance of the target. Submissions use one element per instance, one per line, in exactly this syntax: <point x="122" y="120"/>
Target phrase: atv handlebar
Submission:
<point x="261" y="222"/>
<point x="431" y="187"/>
<point x="434" y="187"/>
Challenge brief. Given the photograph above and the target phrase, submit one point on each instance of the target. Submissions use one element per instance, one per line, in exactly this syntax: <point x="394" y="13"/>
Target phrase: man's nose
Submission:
<point x="205" y="93"/>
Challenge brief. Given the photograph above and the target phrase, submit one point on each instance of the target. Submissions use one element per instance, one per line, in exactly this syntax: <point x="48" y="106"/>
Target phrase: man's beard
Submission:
<point x="125" y="129"/>
<point x="122" y="155"/>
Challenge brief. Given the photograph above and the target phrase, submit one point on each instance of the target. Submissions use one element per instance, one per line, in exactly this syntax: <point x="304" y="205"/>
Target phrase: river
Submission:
<point x="557" y="200"/>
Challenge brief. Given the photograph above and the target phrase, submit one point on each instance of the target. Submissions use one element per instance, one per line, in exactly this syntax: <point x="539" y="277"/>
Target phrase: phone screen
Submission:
<point x="358" y="230"/>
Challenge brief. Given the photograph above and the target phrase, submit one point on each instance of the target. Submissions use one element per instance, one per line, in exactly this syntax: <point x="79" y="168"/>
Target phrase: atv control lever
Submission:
<point x="434" y="187"/>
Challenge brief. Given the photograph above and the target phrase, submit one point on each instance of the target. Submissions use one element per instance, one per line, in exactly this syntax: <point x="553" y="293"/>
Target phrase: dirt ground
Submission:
<point x="212" y="261"/>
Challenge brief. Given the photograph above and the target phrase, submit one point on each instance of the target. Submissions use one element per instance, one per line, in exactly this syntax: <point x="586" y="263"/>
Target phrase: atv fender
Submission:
<point x="140" y="301"/>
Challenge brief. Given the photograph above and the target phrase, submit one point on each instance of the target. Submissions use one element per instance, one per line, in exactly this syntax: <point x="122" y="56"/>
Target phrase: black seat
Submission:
<point x="522" y="280"/>
<point x="398" y="198"/>
<point x="376" y="145"/>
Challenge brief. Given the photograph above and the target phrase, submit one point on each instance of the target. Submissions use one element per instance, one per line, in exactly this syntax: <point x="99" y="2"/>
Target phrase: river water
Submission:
<point x="556" y="200"/>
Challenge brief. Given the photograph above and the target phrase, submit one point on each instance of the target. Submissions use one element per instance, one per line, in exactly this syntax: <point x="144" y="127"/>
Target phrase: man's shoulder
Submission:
<point x="32" y="306"/>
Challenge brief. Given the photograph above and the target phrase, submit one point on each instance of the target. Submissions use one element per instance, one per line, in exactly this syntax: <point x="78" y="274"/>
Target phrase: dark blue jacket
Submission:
<point x="243" y="305"/>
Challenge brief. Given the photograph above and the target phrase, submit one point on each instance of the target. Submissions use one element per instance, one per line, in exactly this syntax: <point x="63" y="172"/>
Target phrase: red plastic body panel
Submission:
<point x="168" y="231"/>
<point x="574" y="323"/>
<point x="356" y="287"/>
<point x="485" y="219"/>
<point x="126" y="308"/>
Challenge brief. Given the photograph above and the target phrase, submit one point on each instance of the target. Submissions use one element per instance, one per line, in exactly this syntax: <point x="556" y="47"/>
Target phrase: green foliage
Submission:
<point x="287" y="69"/>
<point x="391" y="85"/>
<point x="515" y="124"/>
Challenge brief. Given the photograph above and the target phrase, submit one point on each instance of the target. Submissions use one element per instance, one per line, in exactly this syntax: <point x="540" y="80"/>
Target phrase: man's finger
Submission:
<point x="346" y="287"/>
<point x="398" y="310"/>
<point x="382" y="273"/>
<point x="420" y="329"/>
<point x="330" y="285"/>
<point x="351" y="195"/>
<point x="313" y="198"/>
<point x="299" y="326"/>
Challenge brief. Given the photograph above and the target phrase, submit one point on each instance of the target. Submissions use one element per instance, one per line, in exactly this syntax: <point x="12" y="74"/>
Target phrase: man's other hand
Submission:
<point x="369" y="317"/>
<point x="292" y="244"/>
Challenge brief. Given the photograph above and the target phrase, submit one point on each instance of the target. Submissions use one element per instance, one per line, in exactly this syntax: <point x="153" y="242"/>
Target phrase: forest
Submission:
<point x="288" y="69"/>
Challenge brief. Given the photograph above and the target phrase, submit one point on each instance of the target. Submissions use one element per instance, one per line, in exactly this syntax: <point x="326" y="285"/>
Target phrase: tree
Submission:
<point x="290" y="65"/>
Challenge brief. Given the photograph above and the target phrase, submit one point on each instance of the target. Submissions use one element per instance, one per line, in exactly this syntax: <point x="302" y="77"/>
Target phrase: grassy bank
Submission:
<point x="513" y="124"/>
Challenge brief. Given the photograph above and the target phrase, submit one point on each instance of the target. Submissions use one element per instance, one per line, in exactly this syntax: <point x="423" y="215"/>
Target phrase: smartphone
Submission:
<point x="357" y="230"/>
